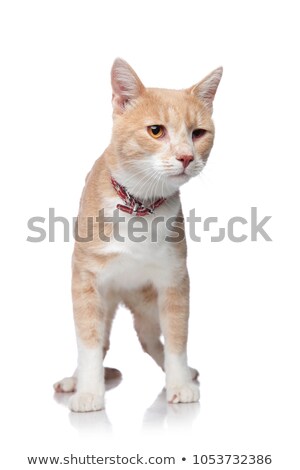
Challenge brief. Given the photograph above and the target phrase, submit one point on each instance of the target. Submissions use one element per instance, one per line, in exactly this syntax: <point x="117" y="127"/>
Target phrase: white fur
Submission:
<point x="67" y="385"/>
<point x="140" y="262"/>
<point x="90" y="382"/>
<point x="179" y="383"/>
<point x="149" y="180"/>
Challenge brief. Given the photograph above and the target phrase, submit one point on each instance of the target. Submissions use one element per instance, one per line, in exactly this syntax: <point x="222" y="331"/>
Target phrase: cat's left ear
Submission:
<point x="126" y="85"/>
<point x="206" y="89"/>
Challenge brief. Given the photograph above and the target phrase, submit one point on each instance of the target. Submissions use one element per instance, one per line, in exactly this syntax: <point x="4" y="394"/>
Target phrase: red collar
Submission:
<point x="133" y="205"/>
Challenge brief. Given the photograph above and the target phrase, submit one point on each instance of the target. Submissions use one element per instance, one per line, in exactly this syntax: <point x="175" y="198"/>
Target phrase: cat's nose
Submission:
<point x="185" y="159"/>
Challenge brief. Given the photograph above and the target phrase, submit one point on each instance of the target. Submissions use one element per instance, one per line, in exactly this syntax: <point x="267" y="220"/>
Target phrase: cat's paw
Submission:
<point x="194" y="373"/>
<point x="66" y="385"/>
<point x="186" y="393"/>
<point x="82" y="402"/>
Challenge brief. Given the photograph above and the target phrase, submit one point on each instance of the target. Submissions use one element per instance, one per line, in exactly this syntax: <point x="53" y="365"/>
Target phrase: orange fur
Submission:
<point x="153" y="285"/>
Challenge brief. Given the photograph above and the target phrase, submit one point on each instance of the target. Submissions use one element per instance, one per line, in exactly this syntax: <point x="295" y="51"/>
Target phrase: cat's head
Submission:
<point x="161" y="138"/>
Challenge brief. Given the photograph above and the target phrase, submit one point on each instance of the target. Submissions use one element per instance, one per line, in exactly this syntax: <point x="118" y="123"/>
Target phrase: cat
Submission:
<point x="160" y="139"/>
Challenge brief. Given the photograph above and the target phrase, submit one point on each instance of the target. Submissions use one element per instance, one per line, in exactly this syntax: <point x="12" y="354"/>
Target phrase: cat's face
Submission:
<point x="161" y="138"/>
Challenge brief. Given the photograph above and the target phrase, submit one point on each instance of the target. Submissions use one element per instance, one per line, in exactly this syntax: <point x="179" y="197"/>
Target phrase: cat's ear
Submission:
<point x="206" y="89"/>
<point x="126" y="85"/>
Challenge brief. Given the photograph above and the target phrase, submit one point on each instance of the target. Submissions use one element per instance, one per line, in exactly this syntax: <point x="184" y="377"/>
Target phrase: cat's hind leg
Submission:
<point x="143" y="305"/>
<point x="67" y="384"/>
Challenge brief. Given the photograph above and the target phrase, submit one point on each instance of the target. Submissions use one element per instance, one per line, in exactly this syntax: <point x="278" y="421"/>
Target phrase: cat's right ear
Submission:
<point x="126" y="85"/>
<point x="206" y="89"/>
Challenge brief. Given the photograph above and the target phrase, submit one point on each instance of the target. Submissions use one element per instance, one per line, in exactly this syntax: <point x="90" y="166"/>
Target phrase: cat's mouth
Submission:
<point x="182" y="174"/>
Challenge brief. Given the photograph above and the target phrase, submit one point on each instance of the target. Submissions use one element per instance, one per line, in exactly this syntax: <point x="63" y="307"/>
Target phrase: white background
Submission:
<point x="244" y="331"/>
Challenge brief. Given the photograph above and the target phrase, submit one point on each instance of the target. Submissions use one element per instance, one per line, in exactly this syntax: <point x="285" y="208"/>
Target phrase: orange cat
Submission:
<point x="160" y="139"/>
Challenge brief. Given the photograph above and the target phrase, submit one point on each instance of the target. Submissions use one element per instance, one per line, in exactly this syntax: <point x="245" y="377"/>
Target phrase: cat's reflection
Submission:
<point x="159" y="416"/>
<point x="162" y="415"/>
<point x="92" y="422"/>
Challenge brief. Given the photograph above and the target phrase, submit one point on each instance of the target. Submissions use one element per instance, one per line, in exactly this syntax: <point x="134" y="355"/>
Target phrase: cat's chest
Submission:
<point x="140" y="236"/>
<point x="134" y="269"/>
<point x="144" y="253"/>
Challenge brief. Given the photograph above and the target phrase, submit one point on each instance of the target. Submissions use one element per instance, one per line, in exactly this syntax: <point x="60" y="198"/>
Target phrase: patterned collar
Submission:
<point x="133" y="205"/>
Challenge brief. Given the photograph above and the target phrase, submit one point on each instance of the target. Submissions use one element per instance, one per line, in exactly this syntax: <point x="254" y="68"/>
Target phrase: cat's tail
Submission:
<point x="111" y="374"/>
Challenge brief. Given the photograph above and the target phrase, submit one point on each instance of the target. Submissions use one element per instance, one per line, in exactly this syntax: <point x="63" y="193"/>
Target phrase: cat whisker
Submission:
<point x="151" y="187"/>
<point x="132" y="177"/>
<point x="160" y="180"/>
<point x="152" y="182"/>
<point x="138" y="187"/>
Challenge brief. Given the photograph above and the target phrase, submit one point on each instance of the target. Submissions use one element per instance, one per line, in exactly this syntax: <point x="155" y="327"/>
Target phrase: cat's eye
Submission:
<point x="156" y="131"/>
<point x="197" y="133"/>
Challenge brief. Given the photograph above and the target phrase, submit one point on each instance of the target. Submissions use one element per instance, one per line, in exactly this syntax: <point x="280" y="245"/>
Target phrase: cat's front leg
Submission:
<point x="174" y="313"/>
<point x="89" y="317"/>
